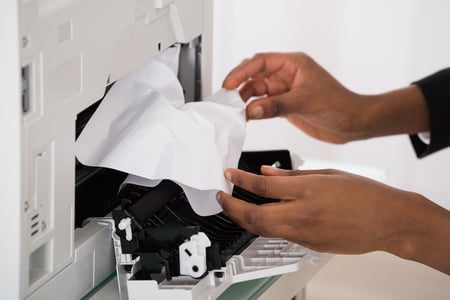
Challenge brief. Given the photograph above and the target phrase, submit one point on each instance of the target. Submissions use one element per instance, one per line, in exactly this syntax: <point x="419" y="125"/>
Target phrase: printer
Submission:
<point x="70" y="233"/>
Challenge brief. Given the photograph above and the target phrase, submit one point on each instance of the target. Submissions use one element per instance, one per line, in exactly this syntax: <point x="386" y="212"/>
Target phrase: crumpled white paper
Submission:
<point x="144" y="128"/>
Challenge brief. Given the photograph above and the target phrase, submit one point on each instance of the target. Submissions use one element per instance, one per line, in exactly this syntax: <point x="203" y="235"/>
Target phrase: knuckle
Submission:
<point x="274" y="107"/>
<point x="308" y="188"/>
<point x="236" y="178"/>
<point x="259" y="56"/>
<point x="303" y="56"/>
<point x="261" y="186"/>
<point x="310" y="218"/>
<point x="304" y="60"/>
<point x="255" y="217"/>
<point x="295" y="172"/>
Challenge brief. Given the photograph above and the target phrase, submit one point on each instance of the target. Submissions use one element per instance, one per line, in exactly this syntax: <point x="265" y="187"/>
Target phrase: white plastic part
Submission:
<point x="125" y="224"/>
<point x="276" y="164"/>
<point x="264" y="257"/>
<point x="93" y="262"/>
<point x="268" y="257"/>
<point x="11" y="174"/>
<point x="193" y="255"/>
<point x="297" y="161"/>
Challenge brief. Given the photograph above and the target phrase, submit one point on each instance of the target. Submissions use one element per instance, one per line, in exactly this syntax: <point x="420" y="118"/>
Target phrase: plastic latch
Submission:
<point x="125" y="224"/>
<point x="193" y="255"/>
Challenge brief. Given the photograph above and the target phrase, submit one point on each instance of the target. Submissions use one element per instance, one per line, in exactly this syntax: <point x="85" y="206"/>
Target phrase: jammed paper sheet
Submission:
<point x="144" y="128"/>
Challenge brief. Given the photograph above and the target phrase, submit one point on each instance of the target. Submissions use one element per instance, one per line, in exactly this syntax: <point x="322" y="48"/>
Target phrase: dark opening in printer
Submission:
<point x="161" y="219"/>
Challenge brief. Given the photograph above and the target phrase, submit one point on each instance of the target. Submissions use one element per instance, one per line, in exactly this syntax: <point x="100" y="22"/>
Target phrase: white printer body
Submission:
<point x="57" y="58"/>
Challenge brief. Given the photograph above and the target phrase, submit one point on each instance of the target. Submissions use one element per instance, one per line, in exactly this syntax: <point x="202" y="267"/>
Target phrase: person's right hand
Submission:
<point x="294" y="86"/>
<point x="339" y="212"/>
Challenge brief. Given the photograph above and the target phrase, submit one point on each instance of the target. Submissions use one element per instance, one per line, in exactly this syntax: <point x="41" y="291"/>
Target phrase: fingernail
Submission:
<point x="272" y="167"/>
<point x="228" y="176"/>
<point x="219" y="198"/>
<point x="225" y="83"/>
<point x="256" y="112"/>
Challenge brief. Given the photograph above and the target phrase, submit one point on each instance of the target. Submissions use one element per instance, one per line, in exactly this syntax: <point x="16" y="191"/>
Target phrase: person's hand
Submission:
<point x="339" y="212"/>
<point x="325" y="210"/>
<point x="294" y="86"/>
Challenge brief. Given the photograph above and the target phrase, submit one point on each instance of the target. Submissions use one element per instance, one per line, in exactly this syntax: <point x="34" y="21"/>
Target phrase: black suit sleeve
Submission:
<point x="436" y="89"/>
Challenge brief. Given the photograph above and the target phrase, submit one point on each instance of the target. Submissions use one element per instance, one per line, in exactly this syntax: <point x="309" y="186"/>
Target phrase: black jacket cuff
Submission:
<point x="436" y="90"/>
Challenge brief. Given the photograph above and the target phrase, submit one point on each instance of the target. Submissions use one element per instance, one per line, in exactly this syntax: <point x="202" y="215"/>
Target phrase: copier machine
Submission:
<point x="67" y="231"/>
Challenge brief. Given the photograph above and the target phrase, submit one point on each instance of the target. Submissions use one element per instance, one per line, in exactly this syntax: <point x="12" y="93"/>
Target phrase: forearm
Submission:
<point x="402" y="111"/>
<point x="421" y="232"/>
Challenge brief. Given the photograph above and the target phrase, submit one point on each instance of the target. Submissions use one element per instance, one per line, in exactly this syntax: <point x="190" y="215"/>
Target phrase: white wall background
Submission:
<point x="370" y="46"/>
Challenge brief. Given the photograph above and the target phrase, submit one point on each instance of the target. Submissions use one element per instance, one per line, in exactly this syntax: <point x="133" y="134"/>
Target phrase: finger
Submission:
<point x="271" y="171"/>
<point x="260" y="63"/>
<point x="318" y="172"/>
<point x="253" y="88"/>
<point x="244" y="71"/>
<point x="226" y="82"/>
<point x="277" y="187"/>
<point x="257" y="218"/>
<point x="279" y="105"/>
<point x="261" y="85"/>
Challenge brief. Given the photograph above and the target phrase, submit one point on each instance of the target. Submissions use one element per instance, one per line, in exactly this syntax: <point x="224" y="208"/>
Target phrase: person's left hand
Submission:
<point x="324" y="210"/>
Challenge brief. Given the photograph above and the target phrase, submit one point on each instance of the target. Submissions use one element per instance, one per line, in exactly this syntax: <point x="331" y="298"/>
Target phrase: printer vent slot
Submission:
<point x="26" y="89"/>
<point x="34" y="225"/>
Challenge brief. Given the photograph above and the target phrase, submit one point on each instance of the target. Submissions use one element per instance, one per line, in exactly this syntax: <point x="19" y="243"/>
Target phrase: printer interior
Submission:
<point x="162" y="216"/>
